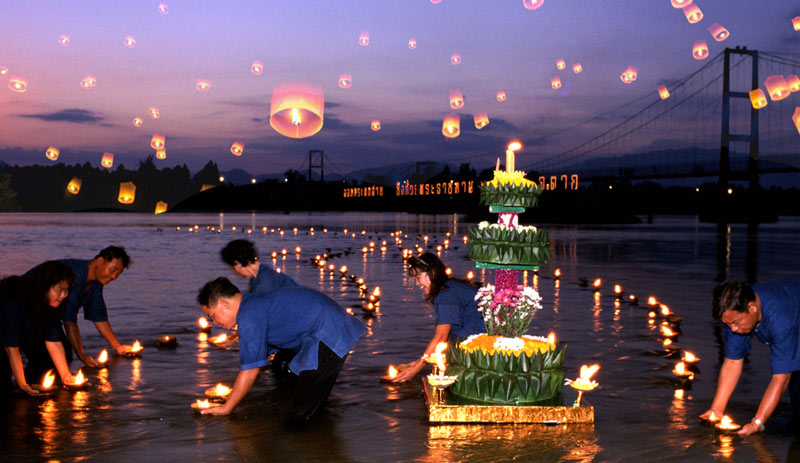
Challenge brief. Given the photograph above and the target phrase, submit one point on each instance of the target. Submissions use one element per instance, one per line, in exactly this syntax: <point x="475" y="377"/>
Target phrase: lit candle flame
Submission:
<point x="713" y="417"/>
<point x="727" y="424"/>
<point x="652" y="300"/>
<point x="202" y="323"/>
<point x="584" y="382"/>
<point x="220" y="339"/>
<point x="689" y="357"/>
<point x="48" y="380"/>
<point x="392" y="373"/>
<point x="665" y="310"/>
<point x="203" y="403"/>
<point x="666" y="331"/>
<point x="103" y="357"/>
<point x="136" y="347"/>
<point x="679" y="393"/>
<point x="377" y="291"/>
<point x="587" y="372"/>
<point x="222" y="390"/>
<point x="617" y="289"/>
<point x="79" y="379"/>
<point x="557" y="273"/>
<point x="296" y="117"/>
<point x="551" y="338"/>
<point x="597" y="283"/>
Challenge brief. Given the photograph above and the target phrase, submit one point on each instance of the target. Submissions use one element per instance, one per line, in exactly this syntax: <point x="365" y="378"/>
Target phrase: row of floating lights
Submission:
<point x="79" y="381"/>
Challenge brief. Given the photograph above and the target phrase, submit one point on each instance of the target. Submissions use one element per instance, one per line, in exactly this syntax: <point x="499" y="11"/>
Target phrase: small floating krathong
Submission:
<point x="47" y="383"/>
<point x="689" y="357"/>
<point x="727" y="425"/>
<point x="219" y="392"/>
<point x="204" y="325"/>
<point x="584" y="383"/>
<point x="681" y="371"/>
<point x="168" y="341"/>
<point x="102" y="359"/>
<point x="136" y="349"/>
<point x="203" y="405"/>
<point x="78" y="382"/>
<point x="712" y="419"/>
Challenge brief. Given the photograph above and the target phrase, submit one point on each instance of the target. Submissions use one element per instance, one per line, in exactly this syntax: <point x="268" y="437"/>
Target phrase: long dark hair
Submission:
<point x="429" y="263"/>
<point x="32" y="289"/>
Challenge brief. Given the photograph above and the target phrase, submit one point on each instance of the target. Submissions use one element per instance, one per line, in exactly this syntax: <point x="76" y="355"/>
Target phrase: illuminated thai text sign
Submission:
<point x="564" y="181"/>
<point x="428" y="189"/>
<point x="363" y="191"/>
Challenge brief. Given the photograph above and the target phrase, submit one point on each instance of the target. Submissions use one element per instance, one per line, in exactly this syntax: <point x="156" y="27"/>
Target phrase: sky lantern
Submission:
<point x="107" y="160"/>
<point x="345" y="81"/>
<point x="796" y="23"/>
<point x="157" y="141"/>
<point x="412" y="43"/>
<point x="257" y="67"/>
<point x="154" y="113"/>
<point x="532" y="4"/>
<point x="161" y="207"/>
<point x="296" y="109"/>
<point x="663" y="92"/>
<point x="777" y="87"/>
<point x="680" y="4"/>
<point x="129" y="41"/>
<point x="74" y="185"/>
<point x="555" y="82"/>
<point x="629" y="76"/>
<point x="561" y="64"/>
<point x="436" y="2"/>
<point x="700" y="50"/>
<point x="52" y="153"/>
<point x="577" y="68"/>
<point x="203" y="85"/>
<point x="163" y="8"/>
<point x="237" y="148"/>
<point x="138" y="121"/>
<point x="127" y="192"/>
<point x="375" y="125"/>
<point x="481" y="120"/>
<point x="363" y="38"/>
<point x="63" y="40"/>
<point x="501" y="95"/>
<point x="17" y="84"/>
<point x="456" y="98"/>
<point x="455" y="59"/>
<point x="161" y="154"/>
<point x="796" y="118"/>
<point x="88" y="82"/>
<point x="3" y="71"/>
<point x="693" y="13"/>
<point x="793" y="82"/>
<point x="451" y="126"/>
<point x="718" y="32"/>
<point x="757" y="98"/>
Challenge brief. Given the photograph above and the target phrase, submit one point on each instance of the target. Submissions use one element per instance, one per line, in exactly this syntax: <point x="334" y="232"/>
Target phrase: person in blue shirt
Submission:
<point x="241" y="255"/>
<point x="771" y="312"/>
<point x="30" y="324"/>
<point x="322" y="336"/>
<point x="457" y="315"/>
<point x="87" y="292"/>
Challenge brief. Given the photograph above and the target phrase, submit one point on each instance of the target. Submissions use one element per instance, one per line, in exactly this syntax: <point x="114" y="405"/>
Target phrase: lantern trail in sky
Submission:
<point x="700" y="50"/>
<point x="161" y="153"/>
<point x="577" y="68"/>
<point x="163" y="8"/>
<point x="561" y="64"/>
<point x="345" y="81"/>
<point x="129" y="41"/>
<point x="63" y="40"/>
<point x="501" y="96"/>
<point x="88" y="82"/>
<point x="52" y="153"/>
<point x="375" y="125"/>
<point x="363" y="38"/>
<point x="455" y="59"/>
<point x="456" y="98"/>
<point x="663" y="92"/>
<point x="17" y="84"/>
<point x="693" y="13"/>
<point x="74" y="185"/>
<point x="777" y="88"/>
<point x="127" y="193"/>
<point x="157" y="141"/>
<point x="718" y="32"/>
<point x="412" y="43"/>
<point x="155" y="113"/>
<point x="203" y="85"/>
<point x="451" y="126"/>
<point x="630" y="75"/>
<point x="237" y="148"/>
<point x="532" y="4"/>
<point x="481" y="120"/>
<point x="257" y="67"/>
<point x="757" y="98"/>
<point x="138" y="121"/>
<point x="555" y="82"/>
<point x="297" y="109"/>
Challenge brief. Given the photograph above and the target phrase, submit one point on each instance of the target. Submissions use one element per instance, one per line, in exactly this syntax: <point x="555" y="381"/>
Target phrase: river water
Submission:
<point x="138" y="409"/>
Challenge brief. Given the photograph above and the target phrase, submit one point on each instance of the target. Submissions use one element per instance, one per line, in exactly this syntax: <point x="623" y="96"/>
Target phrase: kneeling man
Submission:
<point x="294" y="317"/>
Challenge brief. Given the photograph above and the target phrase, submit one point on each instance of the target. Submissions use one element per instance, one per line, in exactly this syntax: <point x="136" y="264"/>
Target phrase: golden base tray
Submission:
<point x="447" y="413"/>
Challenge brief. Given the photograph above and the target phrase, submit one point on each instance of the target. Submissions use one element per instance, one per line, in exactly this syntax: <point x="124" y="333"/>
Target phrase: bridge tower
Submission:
<point x="728" y="137"/>
<point x="321" y="155"/>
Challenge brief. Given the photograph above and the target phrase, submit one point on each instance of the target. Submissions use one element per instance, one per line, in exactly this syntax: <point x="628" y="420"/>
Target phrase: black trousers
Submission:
<point x="314" y="386"/>
<point x="794" y="395"/>
<point x="38" y="362"/>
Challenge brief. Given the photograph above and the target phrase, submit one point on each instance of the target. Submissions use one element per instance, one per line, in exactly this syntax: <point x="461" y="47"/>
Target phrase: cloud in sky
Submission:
<point x="74" y="115"/>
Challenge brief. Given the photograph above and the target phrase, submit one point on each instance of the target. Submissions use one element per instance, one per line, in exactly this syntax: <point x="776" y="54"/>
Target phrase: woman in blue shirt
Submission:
<point x="457" y="315"/>
<point x="30" y="324"/>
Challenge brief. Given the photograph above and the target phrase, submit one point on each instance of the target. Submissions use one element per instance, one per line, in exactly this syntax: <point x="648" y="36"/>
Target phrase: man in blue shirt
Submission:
<point x="323" y="337"/>
<point x="87" y="292"/>
<point x="771" y="311"/>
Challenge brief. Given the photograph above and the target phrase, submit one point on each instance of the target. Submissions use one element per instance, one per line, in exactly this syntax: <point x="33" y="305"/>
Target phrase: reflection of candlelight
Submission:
<point x="727" y="424"/>
<point x="557" y="273"/>
<point x="103" y="357"/>
<point x="204" y="325"/>
<point x="689" y="357"/>
<point x="679" y="393"/>
<point x="48" y="380"/>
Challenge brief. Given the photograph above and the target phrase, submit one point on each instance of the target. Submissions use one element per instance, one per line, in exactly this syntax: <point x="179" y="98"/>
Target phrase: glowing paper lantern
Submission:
<point x="456" y="98"/>
<point x="680" y="4"/>
<point x="52" y="153"/>
<point x="630" y="75"/>
<point x="532" y="4"/>
<point x="796" y="118"/>
<point x="17" y="84"/>
<point x="375" y="125"/>
<point x="663" y="92"/>
<point x="74" y="185"/>
<point x="296" y="109"/>
<point x="237" y="148"/>
<point x="561" y="64"/>
<point x="700" y="50"/>
<point x="3" y="71"/>
<point x="793" y="82"/>
<point x="692" y="13"/>
<point x="161" y="154"/>
<point x="501" y="95"/>
<point x="718" y="32"/>
<point x="88" y="82"/>
<point x="577" y="68"/>
<point x="107" y="160"/>
<point x="154" y="113"/>
<point x="345" y="81"/>
<point x="127" y="192"/>
<point x="451" y="126"/>
<point x="777" y="87"/>
<point x="412" y="43"/>
<point x="555" y="82"/>
<point x="161" y="207"/>
<point x="481" y="120"/>
<point x="129" y="41"/>
<point x="436" y="2"/>
<point x="455" y="59"/>
<point x="203" y="85"/>
<point x="257" y="67"/>
<point x="157" y="141"/>
<point x="138" y="121"/>
<point x="796" y="23"/>
<point x="363" y="38"/>
<point x="757" y="98"/>
<point x="63" y="40"/>
<point x="163" y="8"/>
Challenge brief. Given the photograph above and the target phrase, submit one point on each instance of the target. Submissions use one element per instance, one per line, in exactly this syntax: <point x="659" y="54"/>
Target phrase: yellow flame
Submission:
<point x="136" y="346"/>
<point x="713" y="417"/>
<point x="79" y="379"/>
<point x="296" y="117"/>
<point x="679" y="393"/>
<point x="597" y="283"/>
<point x="666" y="331"/>
<point x="515" y="145"/>
<point x="439" y="352"/>
<point x="203" y="403"/>
<point x="617" y="289"/>
<point x="48" y="380"/>
<point x="551" y="338"/>
<point x="690" y="357"/>
<point x="680" y="369"/>
<point x="221" y="338"/>
<point x="392" y="373"/>
<point x="202" y="323"/>
<point x="652" y="300"/>
<point x="103" y="357"/>
<point x="665" y="310"/>
<point x="588" y="371"/>
<point x="377" y="291"/>
<point x="222" y="390"/>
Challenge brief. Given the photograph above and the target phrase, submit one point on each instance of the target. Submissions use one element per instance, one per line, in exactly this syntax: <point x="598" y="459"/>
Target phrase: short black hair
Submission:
<point x="241" y="251"/>
<point x="115" y="252"/>
<point x="214" y="290"/>
<point x="731" y="295"/>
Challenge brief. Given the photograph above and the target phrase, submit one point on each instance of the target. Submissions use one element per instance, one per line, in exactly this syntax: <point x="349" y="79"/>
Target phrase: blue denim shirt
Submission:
<point x="779" y="327"/>
<point x="94" y="306"/>
<point x="296" y="318"/>
<point x="16" y="322"/>
<point x="456" y="306"/>
<point x="269" y="280"/>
